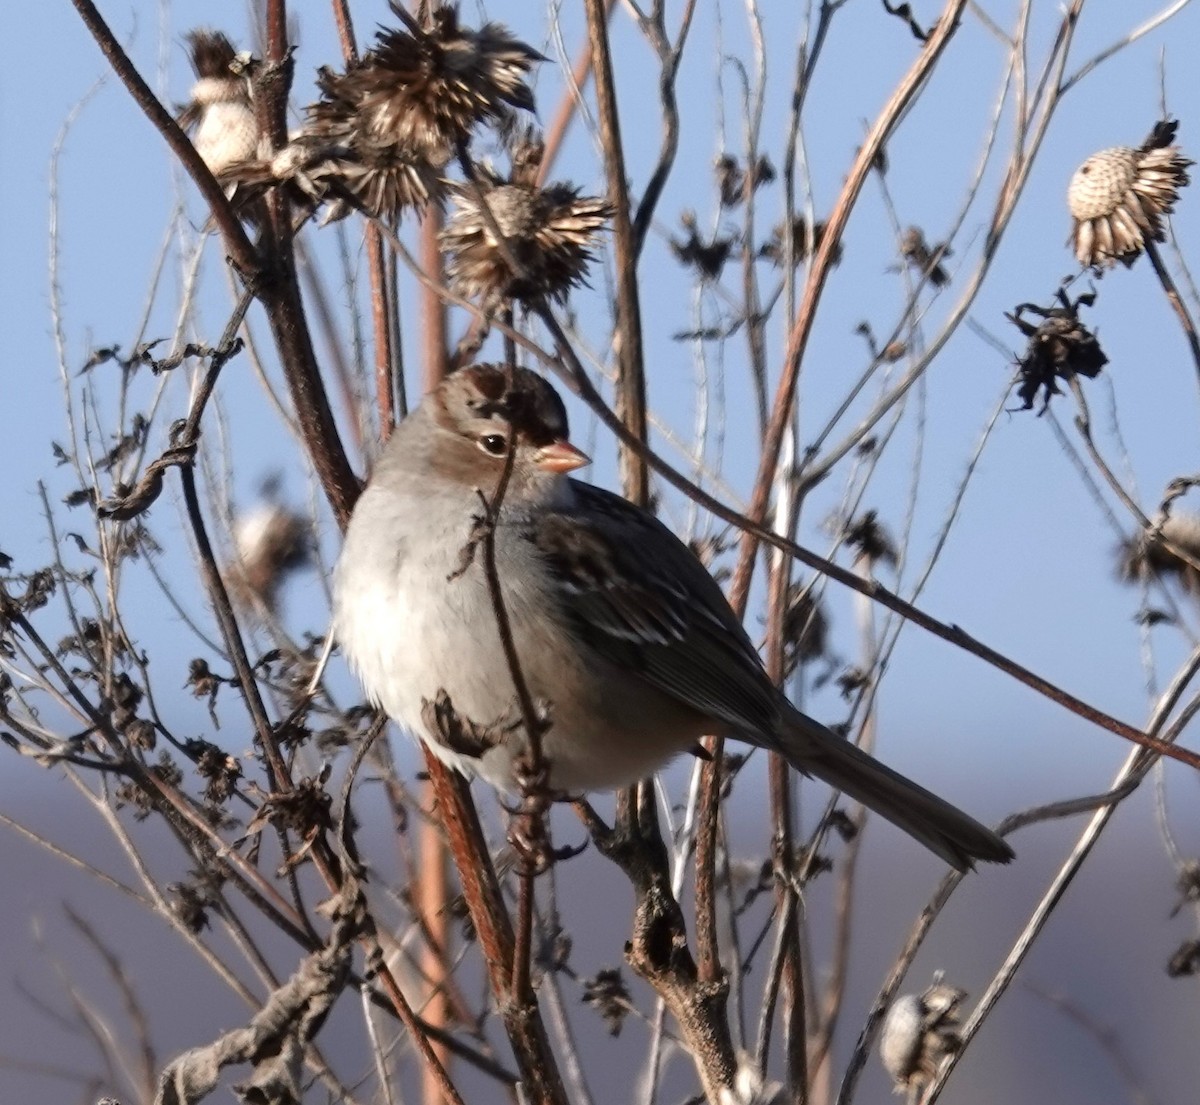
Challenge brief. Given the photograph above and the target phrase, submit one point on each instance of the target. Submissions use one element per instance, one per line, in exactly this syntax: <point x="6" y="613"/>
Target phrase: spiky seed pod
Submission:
<point x="606" y="992"/>
<point x="384" y="178"/>
<point x="338" y="159"/>
<point x="220" y="112"/>
<point x="732" y="178"/>
<point x="1170" y="550"/>
<point x="548" y="232"/>
<point x="427" y="87"/>
<point x="919" y="1031"/>
<point x="1119" y="197"/>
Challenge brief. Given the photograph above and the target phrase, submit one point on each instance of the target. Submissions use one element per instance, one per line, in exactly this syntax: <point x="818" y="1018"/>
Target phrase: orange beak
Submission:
<point x="560" y="456"/>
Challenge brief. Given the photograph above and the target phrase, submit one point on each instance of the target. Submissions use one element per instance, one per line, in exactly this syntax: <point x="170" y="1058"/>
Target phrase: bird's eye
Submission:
<point x="496" y="444"/>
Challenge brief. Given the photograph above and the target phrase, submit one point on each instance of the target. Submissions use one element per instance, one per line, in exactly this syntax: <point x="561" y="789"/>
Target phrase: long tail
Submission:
<point x="944" y="829"/>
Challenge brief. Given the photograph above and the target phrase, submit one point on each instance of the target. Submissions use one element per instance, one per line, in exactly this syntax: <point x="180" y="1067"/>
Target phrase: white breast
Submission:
<point x="409" y="632"/>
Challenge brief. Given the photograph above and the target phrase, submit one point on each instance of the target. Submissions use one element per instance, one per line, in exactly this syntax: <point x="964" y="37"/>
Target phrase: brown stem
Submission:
<point x="631" y="379"/>
<point x="785" y="394"/>
<point x="481" y="889"/>
<point x="784" y="855"/>
<point x="658" y="952"/>
<point x="381" y="323"/>
<point x="345" y="29"/>
<point x="1176" y="301"/>
<point x="381" y="290"/>
<point x="568" y="106"/>
<point x="433" y="308"/>
<point x="434" y="885"/>
<point x="534" y="764"/>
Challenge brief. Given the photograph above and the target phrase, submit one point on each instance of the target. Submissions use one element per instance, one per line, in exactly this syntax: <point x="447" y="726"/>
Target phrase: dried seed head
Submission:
<point x="548" y="232"/>
<point x="732" y="179"/>
<point x="339" y="159"/>
<point x="1170" y="549"/>
<point x="805" y="628"/>
<point x="870" y="540"/>
<point x="919" y="1031"/>
<point x="1185" y="960"/>
<point x="428" y="86"/>
<point x="272" y="543"/>
<point x="706" y="257"/>
<point x="1119" y="197"/>
<point x="775" y="247"/>
<point x="924" y="259"/>
<point x="383" y="178"/>
<point x="219" y="113"/>
<point x="605" y="992"/>
<point x="1060" y="347"/>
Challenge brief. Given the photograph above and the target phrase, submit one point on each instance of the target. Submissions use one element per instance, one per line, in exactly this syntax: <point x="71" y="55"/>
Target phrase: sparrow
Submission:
<point x="219" y="113"/>
<point x="628" y="646"/>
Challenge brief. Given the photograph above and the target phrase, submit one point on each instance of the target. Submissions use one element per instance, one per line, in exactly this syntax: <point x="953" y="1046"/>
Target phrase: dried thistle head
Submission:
<point x="272" y="544"/>
<point x="606" y="992"/>
<point x="428" y="86"/>
<point x="1169" y="550"/>
<point x="919" y="1031"/>
<point x="870" y="540"/>
<point x="706" y="257"/>
<point x="1120" y="196"/>
<point x="548" y="231"/>
<point x="805" y="628"/>
<point x="337" y="158"/>
<point x="775" y="248"/>
<point x="733" y="179"/>
<point x="219" y="113"/>
<point x="1060" y="347"/>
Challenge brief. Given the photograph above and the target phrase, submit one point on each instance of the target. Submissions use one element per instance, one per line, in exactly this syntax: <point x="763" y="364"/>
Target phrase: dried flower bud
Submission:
<point x="1185" y="960"/>
<point x="731" y="178"/>
<point x="606" y="993"/>
<point x="919" y="1031"/>
<point x="870" y="541"/>
<point x="1119" y="197"/>
<point x="805" y="628"/>
<point x="1188" y="883"/>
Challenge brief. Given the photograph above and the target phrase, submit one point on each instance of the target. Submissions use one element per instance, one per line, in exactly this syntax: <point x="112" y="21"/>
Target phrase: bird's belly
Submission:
<point x="410" y="644"/>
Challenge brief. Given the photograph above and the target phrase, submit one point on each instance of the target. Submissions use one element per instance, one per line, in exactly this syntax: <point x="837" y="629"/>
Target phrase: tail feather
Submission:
<point x="944" y="829"/>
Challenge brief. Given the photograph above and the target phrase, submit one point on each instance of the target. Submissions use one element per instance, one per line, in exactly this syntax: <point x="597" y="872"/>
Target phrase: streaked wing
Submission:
<point x="637" y="595"/>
